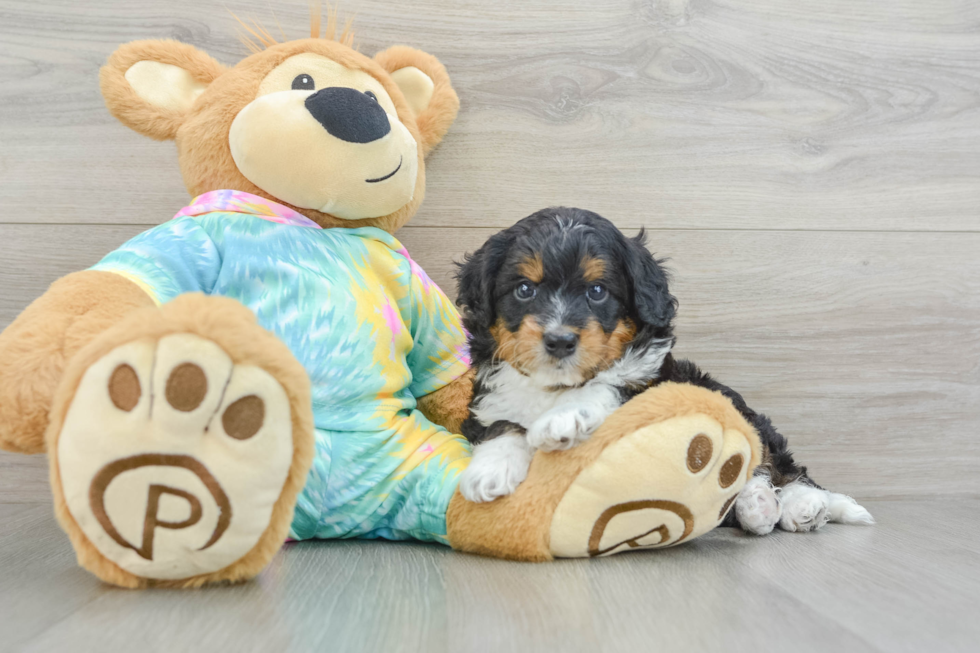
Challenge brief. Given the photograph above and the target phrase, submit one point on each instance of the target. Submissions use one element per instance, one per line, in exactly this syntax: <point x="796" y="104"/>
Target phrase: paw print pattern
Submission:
<point x="699" y="455"/>
<point x="657" y="486"/>
<point x="171" y="457"/>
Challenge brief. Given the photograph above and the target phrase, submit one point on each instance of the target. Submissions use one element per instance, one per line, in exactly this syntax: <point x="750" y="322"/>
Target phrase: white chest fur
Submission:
<point x="516" y="398"/>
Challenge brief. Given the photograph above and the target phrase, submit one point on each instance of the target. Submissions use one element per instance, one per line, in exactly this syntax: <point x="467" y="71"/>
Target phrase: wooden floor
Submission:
<point x="908" y="584"/>
<point x="813" y="173"/>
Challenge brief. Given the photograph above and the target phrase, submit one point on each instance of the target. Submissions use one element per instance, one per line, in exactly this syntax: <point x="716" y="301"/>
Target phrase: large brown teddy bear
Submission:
<point x="271" y="363"/>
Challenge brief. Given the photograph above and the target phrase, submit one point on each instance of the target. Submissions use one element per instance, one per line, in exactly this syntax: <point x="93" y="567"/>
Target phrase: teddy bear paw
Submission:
<point x="660" y="485"/>
<point x="171" y="458"/>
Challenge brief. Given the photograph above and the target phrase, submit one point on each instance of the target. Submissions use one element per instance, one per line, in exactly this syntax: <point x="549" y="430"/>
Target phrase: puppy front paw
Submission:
<point x="498" y="466"/>
<point x="564" y="427"/>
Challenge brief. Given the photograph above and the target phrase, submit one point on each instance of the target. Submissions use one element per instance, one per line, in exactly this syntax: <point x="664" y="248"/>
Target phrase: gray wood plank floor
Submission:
<point x="813" y="172"/>
<point x="908" y="584"/>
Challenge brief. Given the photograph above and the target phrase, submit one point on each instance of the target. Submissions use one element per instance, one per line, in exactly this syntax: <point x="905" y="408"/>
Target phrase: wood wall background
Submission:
<point x="811" y="170"/>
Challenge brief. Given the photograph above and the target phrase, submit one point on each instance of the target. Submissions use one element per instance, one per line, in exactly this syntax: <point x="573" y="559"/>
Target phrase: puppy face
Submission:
<point x="560" y="295"/>
<point x="560" y="309"/>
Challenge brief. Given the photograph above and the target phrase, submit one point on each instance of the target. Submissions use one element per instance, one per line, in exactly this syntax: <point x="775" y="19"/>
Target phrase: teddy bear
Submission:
<point x="272" y="364"/>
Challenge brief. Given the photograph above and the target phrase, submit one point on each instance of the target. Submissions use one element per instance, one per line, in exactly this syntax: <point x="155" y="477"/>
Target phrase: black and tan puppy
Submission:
<point x="568" y="319"/>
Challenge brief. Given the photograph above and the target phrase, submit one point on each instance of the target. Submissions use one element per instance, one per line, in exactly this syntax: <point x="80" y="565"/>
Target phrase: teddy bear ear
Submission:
<point x="425" y="84"/>
<point x="150" y="86"/>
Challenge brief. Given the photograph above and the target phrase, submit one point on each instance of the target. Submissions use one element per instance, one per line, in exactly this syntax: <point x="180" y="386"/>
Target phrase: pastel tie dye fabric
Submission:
<point x="373" y="331"/>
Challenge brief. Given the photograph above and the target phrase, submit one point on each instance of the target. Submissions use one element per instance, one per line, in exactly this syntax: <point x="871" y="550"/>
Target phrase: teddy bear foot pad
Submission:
<point x="172" y="458"/>
<point x="161" y="455"/>
<point x="617" y="504"/>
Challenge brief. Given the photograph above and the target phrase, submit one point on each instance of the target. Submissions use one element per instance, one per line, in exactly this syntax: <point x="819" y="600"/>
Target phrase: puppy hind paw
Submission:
<point x="757" y="507"/>
<point x="805" y="508"/>
<point x="845" y="510"/>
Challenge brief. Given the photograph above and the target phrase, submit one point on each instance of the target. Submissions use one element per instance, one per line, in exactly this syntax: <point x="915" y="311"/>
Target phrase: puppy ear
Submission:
<point x="653" y="303"/>
<point x="425" y="84"/>
<point x="150" y="86"/>
<point x="477" y="278"/>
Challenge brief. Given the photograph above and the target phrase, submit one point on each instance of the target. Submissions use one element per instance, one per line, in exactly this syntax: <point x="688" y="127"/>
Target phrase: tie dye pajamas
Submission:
<point x="372" y="330"/>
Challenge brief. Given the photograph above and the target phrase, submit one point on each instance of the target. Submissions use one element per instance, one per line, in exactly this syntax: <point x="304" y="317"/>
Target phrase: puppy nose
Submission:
<point x="561" y="344"/>
<point x="348" y="114"/>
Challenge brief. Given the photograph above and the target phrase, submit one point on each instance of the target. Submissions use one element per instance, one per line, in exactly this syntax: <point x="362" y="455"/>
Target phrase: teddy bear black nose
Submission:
<point x="349" y="114"/>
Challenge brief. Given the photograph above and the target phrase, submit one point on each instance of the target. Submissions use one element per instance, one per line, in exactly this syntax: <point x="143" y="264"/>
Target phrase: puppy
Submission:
<point x="568" y="319"/>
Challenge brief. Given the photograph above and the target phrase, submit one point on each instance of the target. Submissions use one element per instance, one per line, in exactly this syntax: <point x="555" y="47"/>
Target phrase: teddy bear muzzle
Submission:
<point x="336" y="151"/>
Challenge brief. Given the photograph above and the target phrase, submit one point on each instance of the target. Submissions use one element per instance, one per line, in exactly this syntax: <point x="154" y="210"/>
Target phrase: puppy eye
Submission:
<point x="371" y="95"/>
<point x="597" y="292"/>
<point x="303" y="83"/>
<point x="525" y="291"/>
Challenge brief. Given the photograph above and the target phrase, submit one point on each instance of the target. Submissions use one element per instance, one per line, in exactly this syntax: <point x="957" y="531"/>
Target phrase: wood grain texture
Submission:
<point x="814" y="176"/>
<point x="739" y="114"/>
<point x="900" y="586"/>
<point x="862" y="347"/>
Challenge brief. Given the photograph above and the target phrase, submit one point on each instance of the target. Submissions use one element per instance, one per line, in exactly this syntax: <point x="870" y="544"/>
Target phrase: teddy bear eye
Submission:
<point x="303" y="82"/>
<point x="371" y="95"/>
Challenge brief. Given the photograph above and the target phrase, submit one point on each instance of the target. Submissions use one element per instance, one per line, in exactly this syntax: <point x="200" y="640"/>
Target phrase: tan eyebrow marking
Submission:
<point x="593" y="268"/>
<point x="532" y="268"/>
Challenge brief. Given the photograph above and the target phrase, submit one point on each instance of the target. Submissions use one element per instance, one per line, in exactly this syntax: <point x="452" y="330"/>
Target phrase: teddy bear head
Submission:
<point x="312" y="123"/>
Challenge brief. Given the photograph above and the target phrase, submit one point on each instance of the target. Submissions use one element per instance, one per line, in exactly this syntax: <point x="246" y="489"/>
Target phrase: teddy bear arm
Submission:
<point x="449" y="406"/>
<point x="36" y="346"/>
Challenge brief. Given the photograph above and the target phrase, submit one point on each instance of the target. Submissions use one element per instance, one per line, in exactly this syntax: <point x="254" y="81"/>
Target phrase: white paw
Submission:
<point x="758" y="508"/>
<point x="498" y="466"/>
<point x="845" y="510"/>
<point x="564" y="427"/>
<point x="172" y="458"/>
<point x="805" y="508"/>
